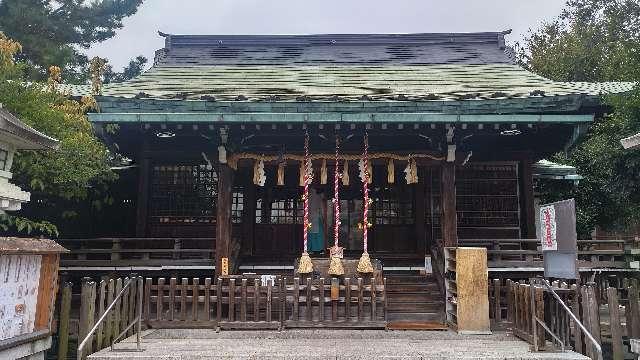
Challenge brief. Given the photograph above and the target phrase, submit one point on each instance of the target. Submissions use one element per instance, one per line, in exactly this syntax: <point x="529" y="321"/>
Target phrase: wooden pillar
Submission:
<point x="419" y="213"/>
<point x="249" y="213"/>
<point x="448" y="202"/>
<point x="223" y="216"/>
<point x="143" y="197"/>
<point x="527" y="213"/>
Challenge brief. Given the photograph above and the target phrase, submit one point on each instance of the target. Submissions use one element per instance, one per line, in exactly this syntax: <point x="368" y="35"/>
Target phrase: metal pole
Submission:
<point x="577" y="321"/>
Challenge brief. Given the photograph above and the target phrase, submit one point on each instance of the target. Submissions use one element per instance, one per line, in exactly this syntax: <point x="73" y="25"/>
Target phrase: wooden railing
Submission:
<point x="611" y="314"/>
<point x="232" y="302"/>
<point x="525" y="253"/>
<point x="117" y="252"/>
<point x="236" y="302"/>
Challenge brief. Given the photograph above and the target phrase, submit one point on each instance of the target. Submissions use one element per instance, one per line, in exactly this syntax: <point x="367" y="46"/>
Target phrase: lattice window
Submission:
<point x="487" y="196"/>
<point x="259" y="211"/>
<point x="237" y="206"/>
<point x="286" y="211"/>
<point x="391" y="208"/>
<point x="184" y="193"/>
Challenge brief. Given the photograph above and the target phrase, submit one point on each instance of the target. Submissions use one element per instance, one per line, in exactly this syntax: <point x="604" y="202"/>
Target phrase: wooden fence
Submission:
<point x="232" y="302"/>
<point x="611" y="314"/>
<point x="241" y="303"/>
<point x="93" y="300"/>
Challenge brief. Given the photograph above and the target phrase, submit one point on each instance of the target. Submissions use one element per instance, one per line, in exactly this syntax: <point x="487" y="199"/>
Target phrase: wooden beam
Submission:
<point x="448" y="198"/>
<point x="223" y="216"/>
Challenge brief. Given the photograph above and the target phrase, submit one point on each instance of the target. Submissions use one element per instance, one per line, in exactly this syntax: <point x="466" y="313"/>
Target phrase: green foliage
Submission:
<point x="596" y="40"/>
<point x="80" y="167"/>
<point x="26" y="226"/>
<point x="53" y="32"/>
<point x="135" y="68"/>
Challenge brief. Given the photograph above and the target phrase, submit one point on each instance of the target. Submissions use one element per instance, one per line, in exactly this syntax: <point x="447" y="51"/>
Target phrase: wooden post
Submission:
<point x="172" y="298"/>
<point x="497" y="312"/>
<point x="295" y="316"/>
<point x="616" y="327"/>
<point x="576" y="311"/>
<point x="633" y="312"/>
<point x="223" y="216"/>
<point x="539" y="300"/>
<point x="101" y="307"/>
<point x="347" y="299"/>
<point x="159" y="298"/>
<point x="526" y="200"/>
<point x="63" y="329"/>
<point x="143" y="193"/>
<point x="448" y="198"/>
<point x="87" y="309"/>
<point x="207" y="299"/>
<point x="183" y="299"/>
<point x="195" y="298"/>
<point x="243" y="301"/>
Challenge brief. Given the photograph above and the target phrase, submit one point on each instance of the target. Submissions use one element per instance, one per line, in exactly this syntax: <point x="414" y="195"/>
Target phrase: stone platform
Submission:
<point x="325" y="344"/>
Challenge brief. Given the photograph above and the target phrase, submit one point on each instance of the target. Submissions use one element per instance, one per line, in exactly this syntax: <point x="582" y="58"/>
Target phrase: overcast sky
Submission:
<point x="139" y="35"/>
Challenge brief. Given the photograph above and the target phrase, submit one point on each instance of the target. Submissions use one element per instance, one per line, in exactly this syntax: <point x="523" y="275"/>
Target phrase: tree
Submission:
<point x="53" y="32"/>
<point x="596" y="40"/>
<point x="80" y="168"/>
<point x="135" y="68"/>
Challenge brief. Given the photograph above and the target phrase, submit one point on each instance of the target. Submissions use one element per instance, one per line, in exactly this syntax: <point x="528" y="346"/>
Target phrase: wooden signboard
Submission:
<point x="28" y="283"/>
<point x="225" y="266"/>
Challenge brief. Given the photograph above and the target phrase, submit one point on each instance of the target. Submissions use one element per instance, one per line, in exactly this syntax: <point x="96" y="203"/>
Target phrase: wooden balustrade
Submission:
<point x="525" y="253"/>
<point x="611" y="314"/>
<point x="176" y="252"/>
<point x="124" y="252"/>
<point x="235" y="302"/>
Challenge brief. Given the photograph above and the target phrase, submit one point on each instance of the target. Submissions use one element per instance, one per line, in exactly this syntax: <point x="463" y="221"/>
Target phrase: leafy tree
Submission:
<point x="53" y="32"/>
<point x="79" y="168"/>
<point x="135" y="68"/>
<point x="596" y="40"/>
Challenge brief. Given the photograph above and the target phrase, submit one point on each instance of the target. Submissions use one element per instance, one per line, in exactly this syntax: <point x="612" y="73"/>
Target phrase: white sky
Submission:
<point x="139" y="35"/>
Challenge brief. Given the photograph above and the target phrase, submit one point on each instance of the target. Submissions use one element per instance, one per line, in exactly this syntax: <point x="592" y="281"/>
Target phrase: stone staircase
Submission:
<point x="414" y="302"/>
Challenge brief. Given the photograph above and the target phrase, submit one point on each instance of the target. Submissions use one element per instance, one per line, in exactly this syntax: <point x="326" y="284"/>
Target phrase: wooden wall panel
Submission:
<point x="472" y="285"/>
<point x="47" y="290"/>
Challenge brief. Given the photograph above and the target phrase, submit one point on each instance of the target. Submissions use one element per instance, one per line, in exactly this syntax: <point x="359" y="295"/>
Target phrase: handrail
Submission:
<point x="137" y="320"/>
<point x="574" y="317"/>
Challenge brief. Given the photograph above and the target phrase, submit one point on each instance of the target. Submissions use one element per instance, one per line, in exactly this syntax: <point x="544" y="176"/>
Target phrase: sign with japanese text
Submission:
<point x="548" y="233"/>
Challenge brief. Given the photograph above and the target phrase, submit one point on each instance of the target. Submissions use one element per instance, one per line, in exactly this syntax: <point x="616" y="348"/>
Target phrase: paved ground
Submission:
<point x="326" y="344"/>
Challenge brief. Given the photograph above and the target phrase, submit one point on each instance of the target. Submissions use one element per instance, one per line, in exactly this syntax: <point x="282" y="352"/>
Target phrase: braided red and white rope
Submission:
<point x="365" y="185"/>
<point x="336" y="201"/>
<point x="305" y="195"/>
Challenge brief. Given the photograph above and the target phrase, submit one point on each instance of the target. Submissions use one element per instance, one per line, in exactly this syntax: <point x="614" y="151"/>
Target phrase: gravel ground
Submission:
<point x="325" y="344"/>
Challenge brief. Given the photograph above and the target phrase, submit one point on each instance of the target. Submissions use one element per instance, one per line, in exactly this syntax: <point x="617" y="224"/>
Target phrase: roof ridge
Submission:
<point x="332" y="39"/>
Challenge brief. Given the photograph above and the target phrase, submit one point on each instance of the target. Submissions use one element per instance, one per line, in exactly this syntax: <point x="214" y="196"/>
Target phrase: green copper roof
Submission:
<point x="337" y="83"/>
<point x="545" y="169"/>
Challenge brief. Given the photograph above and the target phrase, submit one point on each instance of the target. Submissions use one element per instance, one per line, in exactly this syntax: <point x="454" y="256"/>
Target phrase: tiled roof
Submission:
<point x="334" y="49"/>
<point x="24" y="136"/>
<point x="417" y="67"/>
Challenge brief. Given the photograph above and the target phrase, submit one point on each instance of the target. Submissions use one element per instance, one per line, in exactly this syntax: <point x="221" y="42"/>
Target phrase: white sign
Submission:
<point x="548" y="228"/>
<point x="19" y="280"/>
